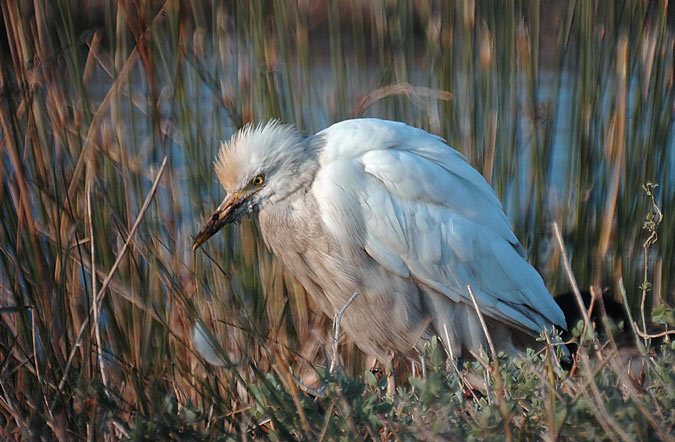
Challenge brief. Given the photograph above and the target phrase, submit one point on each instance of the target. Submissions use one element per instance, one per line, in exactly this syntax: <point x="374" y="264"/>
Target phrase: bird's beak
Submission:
<point x="222" y="216"/>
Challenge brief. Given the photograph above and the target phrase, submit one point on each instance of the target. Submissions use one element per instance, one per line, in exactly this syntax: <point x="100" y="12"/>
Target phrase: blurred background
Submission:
<point x="566" y="107"/>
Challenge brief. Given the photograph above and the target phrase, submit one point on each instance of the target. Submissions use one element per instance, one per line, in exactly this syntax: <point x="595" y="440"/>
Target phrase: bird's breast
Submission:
<point x="293" y="233"/>
<point x="387" y="314"/>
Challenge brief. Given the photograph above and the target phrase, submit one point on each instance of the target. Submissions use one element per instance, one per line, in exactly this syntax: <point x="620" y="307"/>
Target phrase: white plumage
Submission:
<point x="392" y="212"/>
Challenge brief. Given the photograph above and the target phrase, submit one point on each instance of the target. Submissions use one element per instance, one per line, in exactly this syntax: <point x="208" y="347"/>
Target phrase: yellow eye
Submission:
<point x="257" y="181"/>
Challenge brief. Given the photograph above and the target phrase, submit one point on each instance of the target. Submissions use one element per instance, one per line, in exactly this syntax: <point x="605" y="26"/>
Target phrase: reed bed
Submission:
<point x="112" y="112"/>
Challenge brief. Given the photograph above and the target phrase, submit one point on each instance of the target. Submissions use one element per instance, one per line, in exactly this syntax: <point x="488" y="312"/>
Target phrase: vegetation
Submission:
<point x="112" y="112"/>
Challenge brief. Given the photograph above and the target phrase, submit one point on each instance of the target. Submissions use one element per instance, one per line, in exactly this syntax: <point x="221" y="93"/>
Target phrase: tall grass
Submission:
<point x="566" y="107"/>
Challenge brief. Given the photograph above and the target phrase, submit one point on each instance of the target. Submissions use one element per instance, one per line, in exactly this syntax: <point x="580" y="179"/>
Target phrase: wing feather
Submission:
<point x="415" y="205"/>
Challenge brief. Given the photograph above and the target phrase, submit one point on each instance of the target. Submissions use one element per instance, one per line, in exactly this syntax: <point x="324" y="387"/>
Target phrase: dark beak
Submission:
<point x="224" y="214"/>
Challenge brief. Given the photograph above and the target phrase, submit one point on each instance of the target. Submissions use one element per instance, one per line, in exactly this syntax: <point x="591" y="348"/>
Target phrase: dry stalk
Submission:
<point x="573" y="282"/>
<point x="616" y="148"/>
<point x="95" y="305"/>
<point x="600" y="411"/>
<point x="101" y="293"/>
<point x="580" y="389"/>
<point x="8" y="404"/>
<point x="50" y="415"/>
<point x="489" y="161"/>
<point x="550" y="404"/>
<point x="413" y="92"/>
<point x="461" y="376"/>
<point x="493" y="353"/>
<point x="614" y="360"/>
<point x="285" y="375"/>
<point x="122" y="76"/>
<point x="633" y="325"/>
<point x="329" y="414"/>
<point x="653" y="336"/>
<point x="499" y="384"/>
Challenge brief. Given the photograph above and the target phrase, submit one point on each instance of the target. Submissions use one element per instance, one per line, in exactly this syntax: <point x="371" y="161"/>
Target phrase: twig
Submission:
<point x="329" y="414"/>
<point x="285" y="375"/>
<point x="624" y="298"/>
<point x="112" y="271"/>
<point x="600" y="411"/>
<point x="238" y="411"/>
<point x="336" y="336"/>
<point x="581" y="388"/>
<point x="547" y="383"/>
<point x="633" y="394"/>
<point x="482" y="323"/>
<point x="484" y="361"/>
<point x="573" y="282"/>
<point x="461" y="376"/>
<point x="8" y="404"/>
<point x="614" y="360"/>
<point x="550" y="403"/>
<point x="50" y="416"/>
<point x="649" y="336"/>
<point x="499" y="384"/>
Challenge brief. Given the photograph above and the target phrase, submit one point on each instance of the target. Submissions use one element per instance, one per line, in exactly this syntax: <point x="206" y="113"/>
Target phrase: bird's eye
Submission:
<point x="258" y="180"/>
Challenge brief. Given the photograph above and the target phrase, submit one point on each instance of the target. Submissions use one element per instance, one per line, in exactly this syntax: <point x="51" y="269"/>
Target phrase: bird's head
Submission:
<point x="261" y="164"/>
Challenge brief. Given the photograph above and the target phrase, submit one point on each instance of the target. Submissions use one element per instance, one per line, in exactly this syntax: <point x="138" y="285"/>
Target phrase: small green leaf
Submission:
<point x="371" y="379"/>
<point x="417" y="383"/>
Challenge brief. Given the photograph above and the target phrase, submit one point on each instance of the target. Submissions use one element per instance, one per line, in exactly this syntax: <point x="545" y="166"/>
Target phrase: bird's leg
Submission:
<point x="336" y="337"/>
<point x="336" y="340"/>
<point x="459" y="362"/>
<point x="391" y="383"/>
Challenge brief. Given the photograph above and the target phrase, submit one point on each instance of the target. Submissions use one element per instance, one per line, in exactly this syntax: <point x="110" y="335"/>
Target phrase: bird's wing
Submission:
<point x="420" y="210"/>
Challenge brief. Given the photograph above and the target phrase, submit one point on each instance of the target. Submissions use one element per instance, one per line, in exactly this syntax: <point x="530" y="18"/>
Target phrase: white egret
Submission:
<point x="392" y="212"/>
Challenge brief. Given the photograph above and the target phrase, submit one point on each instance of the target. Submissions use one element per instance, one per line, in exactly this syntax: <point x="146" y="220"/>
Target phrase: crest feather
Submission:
<point x="251" y="149"/>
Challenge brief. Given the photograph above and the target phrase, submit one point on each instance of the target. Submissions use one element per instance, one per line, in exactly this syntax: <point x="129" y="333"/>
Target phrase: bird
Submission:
<point x="393" y="213"/>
